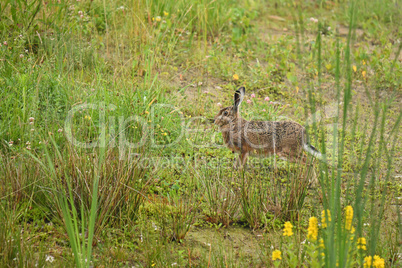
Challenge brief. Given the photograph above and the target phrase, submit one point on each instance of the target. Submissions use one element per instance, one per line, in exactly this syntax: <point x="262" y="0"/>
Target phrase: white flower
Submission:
<point x="49" y="258"/>
<point x="219" y="104"/>
<point x="21" y="56"/>
<point x="31" y="119"/>
<point x="60" y="130"/>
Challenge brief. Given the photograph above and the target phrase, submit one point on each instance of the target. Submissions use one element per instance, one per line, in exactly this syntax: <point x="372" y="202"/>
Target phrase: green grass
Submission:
<point x="108" y="156"/>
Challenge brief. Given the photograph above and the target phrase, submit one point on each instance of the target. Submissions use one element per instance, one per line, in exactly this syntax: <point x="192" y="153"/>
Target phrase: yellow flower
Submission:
<point x="354" y="68"/>
<point x="364" y="73"/>
<point x="87" y="117"/>
<point x="322" y="243"/>
<point x="276" y="255"/>
<point x="165" y="13"/>
<point x="367" y="262"/>
<point x="325" y="218"/>
<point x="312" y="229"/>
<point x="348" y="217"/>
<point x="235" y="77"/>
<point x="287" y="230"/>
<point x="361" y="243"/>
<point x="378" y="262"/>
<point x="158" y="18"/>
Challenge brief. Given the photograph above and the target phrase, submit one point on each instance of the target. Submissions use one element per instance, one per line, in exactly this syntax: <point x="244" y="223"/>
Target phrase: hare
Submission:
<point x="262" y="138"/>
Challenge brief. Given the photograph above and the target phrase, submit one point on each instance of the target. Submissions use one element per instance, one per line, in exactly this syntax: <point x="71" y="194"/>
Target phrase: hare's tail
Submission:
<point x="312" y="150"/>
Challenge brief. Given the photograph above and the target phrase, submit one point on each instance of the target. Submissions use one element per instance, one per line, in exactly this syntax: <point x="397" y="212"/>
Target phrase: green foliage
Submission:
<point x="147" y="180"/>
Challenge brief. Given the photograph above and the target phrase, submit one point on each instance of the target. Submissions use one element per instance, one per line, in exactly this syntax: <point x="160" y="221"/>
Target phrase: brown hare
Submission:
<point x="262" y="138"/>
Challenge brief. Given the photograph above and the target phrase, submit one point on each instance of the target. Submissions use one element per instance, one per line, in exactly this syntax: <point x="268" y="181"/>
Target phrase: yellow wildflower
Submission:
<point x="322" y="243"/>
<point x="354" y="68"/>
<point x="378" y="262"/>
<point x="276" y="255"/>
<point x="361" y="243"/>
<point x="87" y="117"/>
<point x="235" y="77"/>
<point x="325" y="218"/>
<point x="348" y="217"/>
<point x="312" y="229"/>
<point x="364" y="73"/>
<point x="165" y="13"/>
<point x="287" y="230"/>
<point x="158" y="18"/>
<point x="367" y="262"/>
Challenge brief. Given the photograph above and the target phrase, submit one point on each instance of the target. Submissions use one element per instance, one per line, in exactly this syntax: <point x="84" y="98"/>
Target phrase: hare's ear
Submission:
<point x="238" y="98"/>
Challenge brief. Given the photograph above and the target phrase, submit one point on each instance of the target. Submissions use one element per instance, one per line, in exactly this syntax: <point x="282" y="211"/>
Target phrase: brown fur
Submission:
<point x="261" y="138"/>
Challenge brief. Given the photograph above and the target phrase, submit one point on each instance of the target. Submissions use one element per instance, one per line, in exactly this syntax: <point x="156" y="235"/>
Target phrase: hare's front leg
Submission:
<point x="241" y="160"/>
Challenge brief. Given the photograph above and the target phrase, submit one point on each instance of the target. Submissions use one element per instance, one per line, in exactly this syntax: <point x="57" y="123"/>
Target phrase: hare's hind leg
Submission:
<point x="309" y="163"/>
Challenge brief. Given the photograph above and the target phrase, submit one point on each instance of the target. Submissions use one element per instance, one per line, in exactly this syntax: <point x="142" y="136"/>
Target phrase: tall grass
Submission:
<point x="368" y="176"/>
<point x="113" y="74"/>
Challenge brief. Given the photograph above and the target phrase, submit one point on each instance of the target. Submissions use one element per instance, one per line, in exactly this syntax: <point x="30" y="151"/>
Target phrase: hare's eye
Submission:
<point x="225" y="113"/>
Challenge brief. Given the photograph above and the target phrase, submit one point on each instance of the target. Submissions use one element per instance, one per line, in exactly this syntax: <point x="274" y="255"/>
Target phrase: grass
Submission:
<point x="108" y="154"/>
